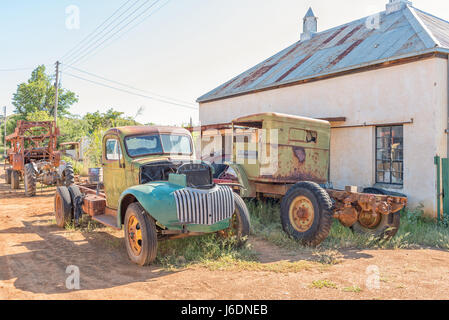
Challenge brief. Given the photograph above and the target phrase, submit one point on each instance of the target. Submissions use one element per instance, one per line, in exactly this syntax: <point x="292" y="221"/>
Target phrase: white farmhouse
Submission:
<point x="382" y="82"/>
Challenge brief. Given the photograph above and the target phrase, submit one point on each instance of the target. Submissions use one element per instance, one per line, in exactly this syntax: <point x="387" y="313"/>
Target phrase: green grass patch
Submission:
<point x="415" y="231"/>
<point x="210" y="251"/>
<point x="85" y="224"/>
<point x="79" y="167"/>
<point x="321" y="284"/>
<point x="354" y="289"/>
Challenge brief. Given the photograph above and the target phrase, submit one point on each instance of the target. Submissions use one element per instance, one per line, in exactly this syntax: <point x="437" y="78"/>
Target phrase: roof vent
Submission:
<point x="310" y="26"/>
<point x="397" y="5"/>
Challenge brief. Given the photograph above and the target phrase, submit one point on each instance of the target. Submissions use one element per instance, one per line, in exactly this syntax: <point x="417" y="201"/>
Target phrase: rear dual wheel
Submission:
<point x="63" y="207"/>
<point x="65" y="198"/>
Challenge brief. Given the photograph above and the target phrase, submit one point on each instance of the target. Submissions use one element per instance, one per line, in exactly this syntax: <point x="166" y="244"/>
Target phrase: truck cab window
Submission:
<point x="113" y="151"/>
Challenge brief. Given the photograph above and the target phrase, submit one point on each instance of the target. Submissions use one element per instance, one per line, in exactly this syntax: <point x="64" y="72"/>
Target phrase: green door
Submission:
<point x="114" y="178"/>
<point x="445" y="191"/>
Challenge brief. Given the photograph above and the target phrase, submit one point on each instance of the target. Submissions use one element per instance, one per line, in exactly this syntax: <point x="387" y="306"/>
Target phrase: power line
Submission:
<point x="93" y="32"/>
<point x="129" y="92"/>
<point x="76" y="59"/>
<point x="127" y="86"/>
<point x="132" y="28"/>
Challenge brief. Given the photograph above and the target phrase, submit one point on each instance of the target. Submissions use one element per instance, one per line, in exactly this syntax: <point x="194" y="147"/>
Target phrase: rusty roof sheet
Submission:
<point x="402" y="33"/>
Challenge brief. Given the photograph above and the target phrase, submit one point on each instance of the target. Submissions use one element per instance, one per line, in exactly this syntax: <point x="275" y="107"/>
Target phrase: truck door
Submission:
<point x="114" y="178"/>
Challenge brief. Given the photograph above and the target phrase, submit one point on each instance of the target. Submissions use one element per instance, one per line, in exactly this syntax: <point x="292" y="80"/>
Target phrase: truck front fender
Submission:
<point x="248" y="190"/>
<point x="156" y="198"/>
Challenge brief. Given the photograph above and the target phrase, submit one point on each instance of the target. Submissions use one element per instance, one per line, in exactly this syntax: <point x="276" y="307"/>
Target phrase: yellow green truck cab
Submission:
<point x="155" y="188"/>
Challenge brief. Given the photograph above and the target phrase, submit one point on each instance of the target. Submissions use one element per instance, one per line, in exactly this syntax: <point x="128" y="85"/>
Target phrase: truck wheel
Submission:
<point x="30" y="180"/>
<point x="382" y="226"/>
<point x="140" y="235"/>
<point x="240" y="222"/>
<point x="68" y="175"/>
<point x="63" y="207"/>
<point x="75" y="193"/>
<point x="8" y="176"/>
<point x="306" y="213"/>
<point x="15" y="180"/>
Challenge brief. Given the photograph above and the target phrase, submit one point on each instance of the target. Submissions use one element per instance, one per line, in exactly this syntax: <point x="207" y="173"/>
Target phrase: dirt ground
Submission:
<point x="34" y="255"/>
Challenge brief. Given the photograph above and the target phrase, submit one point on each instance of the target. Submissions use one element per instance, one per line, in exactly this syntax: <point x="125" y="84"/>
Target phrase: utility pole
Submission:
<point x="4" y="113"/>
<point x="57" y="91"/>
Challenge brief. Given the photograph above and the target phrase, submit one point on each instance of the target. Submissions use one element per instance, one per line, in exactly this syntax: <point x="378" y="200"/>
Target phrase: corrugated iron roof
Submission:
<point x="402" y="33"/>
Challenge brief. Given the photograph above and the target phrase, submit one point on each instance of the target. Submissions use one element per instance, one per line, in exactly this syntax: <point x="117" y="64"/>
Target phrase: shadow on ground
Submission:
<point x="100" y="256"/>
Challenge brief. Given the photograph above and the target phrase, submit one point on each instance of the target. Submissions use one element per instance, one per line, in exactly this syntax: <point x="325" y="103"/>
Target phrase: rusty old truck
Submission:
<point x="33" y="157"/>
<point x="287" y="157"/>
<point x="154" y="187"/>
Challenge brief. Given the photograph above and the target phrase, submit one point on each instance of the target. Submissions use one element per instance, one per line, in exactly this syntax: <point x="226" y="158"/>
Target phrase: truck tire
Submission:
<point x="240" y="225"/>
<point x="63" y="207"/>
<point x="386" y="228"/>
<point x="30" y="180"/>
<point x="68" y="175"/>
<point x="140" y="235"/>
<point x="75" y="193"/>
<point x="306" y="213"/>
<point x="15" y="180"/>
<point x="8" y="176"/>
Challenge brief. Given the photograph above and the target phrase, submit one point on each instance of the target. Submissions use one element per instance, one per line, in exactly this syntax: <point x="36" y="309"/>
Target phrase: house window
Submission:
<point x="390" y="155"/>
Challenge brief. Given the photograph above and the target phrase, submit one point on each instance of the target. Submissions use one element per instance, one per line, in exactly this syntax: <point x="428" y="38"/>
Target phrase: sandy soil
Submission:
<point x="34" y="255"/>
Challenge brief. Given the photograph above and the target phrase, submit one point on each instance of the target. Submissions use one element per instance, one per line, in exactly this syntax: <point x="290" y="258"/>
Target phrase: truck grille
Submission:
<point x="204" y="207"/>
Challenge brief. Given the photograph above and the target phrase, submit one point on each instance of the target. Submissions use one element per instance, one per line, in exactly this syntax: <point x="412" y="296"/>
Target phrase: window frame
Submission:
<point x="120" y="154"/>
<point x="391" y="159"/>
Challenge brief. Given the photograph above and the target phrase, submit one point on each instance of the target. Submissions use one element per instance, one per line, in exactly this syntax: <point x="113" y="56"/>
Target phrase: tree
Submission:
<point x="109" y="119"/>
<point x="38" y="94"/>
<point x="72" y="128"/>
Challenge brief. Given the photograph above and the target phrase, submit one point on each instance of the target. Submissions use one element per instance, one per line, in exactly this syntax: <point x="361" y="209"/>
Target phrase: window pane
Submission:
<point x="380" y="177"/>
<point x="389" y="155"/>
<point x="396" y="132"/>
<point x="112" y="150"/>
<point x="143" y="145"/>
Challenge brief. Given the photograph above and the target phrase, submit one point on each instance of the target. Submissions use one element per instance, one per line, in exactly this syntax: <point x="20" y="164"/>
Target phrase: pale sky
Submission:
<point x="182" y="51"/>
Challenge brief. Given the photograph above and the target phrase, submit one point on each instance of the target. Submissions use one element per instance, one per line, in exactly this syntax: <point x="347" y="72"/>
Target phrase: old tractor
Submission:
<point x="33" y="158"/>
<point x="287" y="157"/>
<point x="155" y="188"/>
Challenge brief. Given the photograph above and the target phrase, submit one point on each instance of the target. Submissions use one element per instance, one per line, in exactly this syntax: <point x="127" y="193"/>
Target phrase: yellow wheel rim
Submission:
<point x="58" y="207"/>
<point x="301" y="214"/>
<point x="134" y="235"/>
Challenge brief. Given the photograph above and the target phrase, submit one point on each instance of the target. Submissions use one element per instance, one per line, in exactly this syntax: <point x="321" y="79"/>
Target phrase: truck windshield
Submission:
<point x="158" y="144"/>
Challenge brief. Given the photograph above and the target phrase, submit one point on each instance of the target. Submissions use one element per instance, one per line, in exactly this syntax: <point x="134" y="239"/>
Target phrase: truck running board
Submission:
<point x="107" y="220"/>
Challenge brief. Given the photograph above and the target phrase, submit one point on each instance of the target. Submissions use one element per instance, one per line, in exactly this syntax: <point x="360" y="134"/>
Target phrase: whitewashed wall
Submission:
<point x="415" y="90"/>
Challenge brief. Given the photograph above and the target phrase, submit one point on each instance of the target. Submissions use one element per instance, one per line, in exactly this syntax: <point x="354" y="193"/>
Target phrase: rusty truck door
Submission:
<point x="114" y="178"/>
